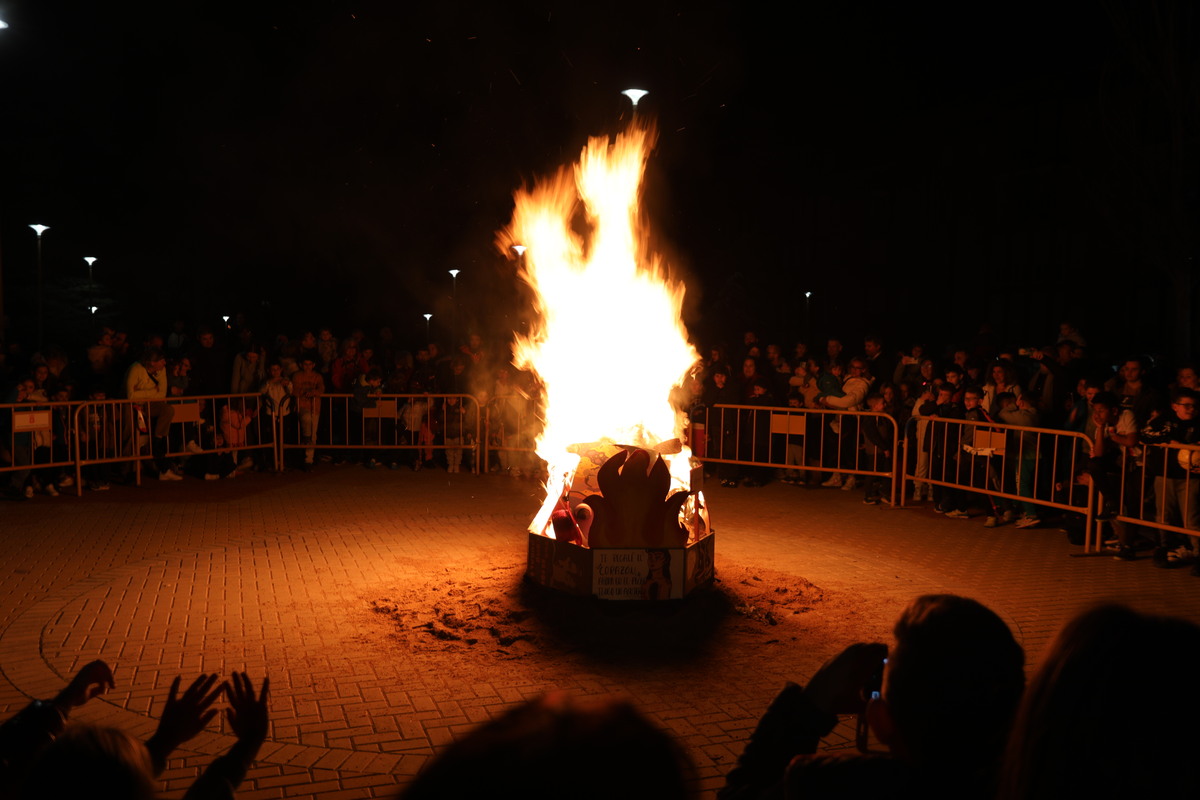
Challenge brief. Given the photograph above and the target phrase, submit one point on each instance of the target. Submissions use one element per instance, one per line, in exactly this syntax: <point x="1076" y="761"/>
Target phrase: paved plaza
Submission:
<point x="285" y="574"/>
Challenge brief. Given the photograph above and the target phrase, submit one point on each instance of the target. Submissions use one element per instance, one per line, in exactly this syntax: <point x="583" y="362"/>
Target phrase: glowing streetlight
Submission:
<point x="520" y="249"/>
<point x="39" y="230"/>
<point x="635" y="95"/>
<point x="90" y="260"/>
<point x="427" y="318"/>
<point x="226" y="318"/>
<point x="454" y="278"/>
<point x="3" y="24"/>
<point x="93" y="309"/>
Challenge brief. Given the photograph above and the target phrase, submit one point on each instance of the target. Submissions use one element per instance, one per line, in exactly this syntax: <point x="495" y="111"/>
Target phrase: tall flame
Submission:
<point x="609" y="344"/>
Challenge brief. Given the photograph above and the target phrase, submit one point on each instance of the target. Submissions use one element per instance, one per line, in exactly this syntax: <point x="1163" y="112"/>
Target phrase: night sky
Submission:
<point x="922" y="168"/>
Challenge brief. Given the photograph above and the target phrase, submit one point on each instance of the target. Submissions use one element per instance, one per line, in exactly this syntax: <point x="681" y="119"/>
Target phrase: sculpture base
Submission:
<point x="621" y="573"/>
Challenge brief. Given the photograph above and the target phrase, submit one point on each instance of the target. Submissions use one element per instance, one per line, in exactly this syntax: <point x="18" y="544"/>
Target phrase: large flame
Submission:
<point x="609" y="344"/>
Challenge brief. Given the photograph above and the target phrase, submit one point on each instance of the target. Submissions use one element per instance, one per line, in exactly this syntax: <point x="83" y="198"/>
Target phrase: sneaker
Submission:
<point x="955" y="513"/>
<point x="211" y="476"/>
<point x="1008" y="516"/>
<point x="194" y="448"/>
<point x="393" y="465"/>
<point x="850" y="484"/>
<point x="1125" y="554"/>
<point x="50" y="490"/>
<point x="1027" y="521"/>
<point x="887" y="501"/>
<point x="833" y="482"/>
<point x="66" y="482"/>
<point x="990" y="522"/>
<point x="939" y="510"/>
<point x="246" y="463"/>
<point x="1180" y="555"/>
<point x="871" y="501"/>
<point x="233" y="474"/>
<point x="28" y="492"/>
<point x="169" y="475"/>
<point x="372" y="464"/>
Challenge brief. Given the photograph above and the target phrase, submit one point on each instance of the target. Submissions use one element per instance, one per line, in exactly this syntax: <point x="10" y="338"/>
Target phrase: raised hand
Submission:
<point x="248" y="716"/>
<point x="94" y="679"/>
<point x="837" y="686"/>
<point x="185" y="716"/>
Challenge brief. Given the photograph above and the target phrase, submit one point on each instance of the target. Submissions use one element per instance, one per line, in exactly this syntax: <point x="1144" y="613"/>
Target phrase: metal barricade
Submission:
<point x="419" y="423"/>
<point x="37" y="436"/>
<point x="510" y="431"/>
<point x="109" y="432"/>
<point x="798" y="440"/>
<point x="1033" y="467"/>
<point x="1160" y="488"/>
<point x="221" y="428"/>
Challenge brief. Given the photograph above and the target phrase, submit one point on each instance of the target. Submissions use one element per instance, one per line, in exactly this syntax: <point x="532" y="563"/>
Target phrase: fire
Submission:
<point x="609" y="343"/>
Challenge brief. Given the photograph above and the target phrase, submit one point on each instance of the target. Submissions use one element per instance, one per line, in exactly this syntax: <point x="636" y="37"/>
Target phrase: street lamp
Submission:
<point x="39" y="230"/>
<point x="520" y="249"/>
<point x="90" y="260"/>
<point x="635" y="95"/>
<point x="427" y="318"/>
<point x="93" y="309"/>
<point x="454" y="277"/>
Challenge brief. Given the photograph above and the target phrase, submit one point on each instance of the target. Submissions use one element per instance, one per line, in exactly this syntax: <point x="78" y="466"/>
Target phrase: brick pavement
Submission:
<point x="275" y="574"/>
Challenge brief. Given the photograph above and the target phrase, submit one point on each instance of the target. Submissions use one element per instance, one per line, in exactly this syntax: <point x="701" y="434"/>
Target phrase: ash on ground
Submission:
<point x="494" y="614"/>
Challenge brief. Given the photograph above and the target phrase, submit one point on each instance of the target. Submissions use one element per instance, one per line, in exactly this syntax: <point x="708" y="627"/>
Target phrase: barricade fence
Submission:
<point x="744" y="441"/>
<point x="1155" y="487"/>
<point x="1008" y="467"/>
<point x="390" y="429"/>
<point x="510" y="431"/>
<point x="958" y="462"/>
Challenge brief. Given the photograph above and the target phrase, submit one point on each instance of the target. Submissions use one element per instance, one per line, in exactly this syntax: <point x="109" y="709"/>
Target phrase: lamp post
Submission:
<point x="93" y="309"/>
<point x="635" y="95"/>
<point x="90" y="260"/>
<point x="39" y="230"/>
<point x="427" y="318"/>
<point x="454" y="304"/>
<point x="807" y="319"/>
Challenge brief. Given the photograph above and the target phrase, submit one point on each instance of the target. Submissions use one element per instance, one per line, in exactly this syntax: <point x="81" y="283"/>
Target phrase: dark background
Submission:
<point x="922" y="169"/>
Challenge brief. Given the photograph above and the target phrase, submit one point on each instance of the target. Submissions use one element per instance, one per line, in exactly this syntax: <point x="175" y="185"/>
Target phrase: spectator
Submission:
<point x="550" y="748"/>
<point x="1176" y="489"/>
<point x="1002" y="378"/>
<point x="954" y="666"/>
<point x="248" y="371"/>
<point x="878" y="443"/>
<point x="1022" y="411"/>
<point x="854" y="394"/>
<point x="147" y="381"/>
<point x="1076" y="735"/>
<point x="307" y="387"/>
<point x="1130" y="386"/>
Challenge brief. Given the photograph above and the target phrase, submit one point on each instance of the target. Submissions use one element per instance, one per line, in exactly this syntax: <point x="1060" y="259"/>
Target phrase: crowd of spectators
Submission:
<point x="1119" y="404"/>
<point x="943" y="711"/>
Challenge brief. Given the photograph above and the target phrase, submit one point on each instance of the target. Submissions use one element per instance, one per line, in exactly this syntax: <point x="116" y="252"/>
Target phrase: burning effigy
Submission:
<point x="624" y="515"/>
